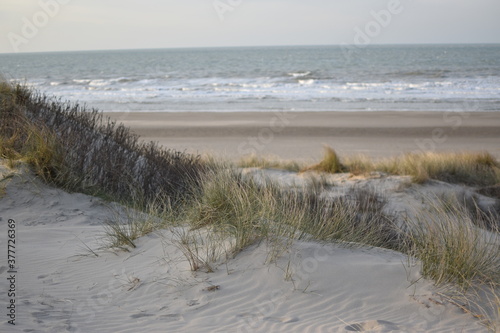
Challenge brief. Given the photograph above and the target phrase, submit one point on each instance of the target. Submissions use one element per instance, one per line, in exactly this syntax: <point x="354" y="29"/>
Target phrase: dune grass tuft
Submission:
<point x="230" y="204"/>
<point x="133" y="222"/>
<point x="330" y="163"/>
<point x="461" y="254"/>
<point x="455" y="247"/>
<point x="251" y="210"/>
<point x="487" y="217"/>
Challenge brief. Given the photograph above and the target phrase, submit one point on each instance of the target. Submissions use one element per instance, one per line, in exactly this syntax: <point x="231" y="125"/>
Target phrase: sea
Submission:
<point x="291" y="78"/>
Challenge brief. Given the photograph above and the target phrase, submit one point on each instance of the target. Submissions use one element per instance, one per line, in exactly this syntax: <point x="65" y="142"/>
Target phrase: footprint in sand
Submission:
<point x="141" y="315"/>
<point x="371" y="325"/>
<point x="46" y="279"/>
<point x="197" y="303"/>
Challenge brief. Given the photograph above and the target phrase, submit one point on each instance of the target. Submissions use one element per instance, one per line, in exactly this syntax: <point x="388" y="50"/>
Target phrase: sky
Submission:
<point x="68" y="25"/>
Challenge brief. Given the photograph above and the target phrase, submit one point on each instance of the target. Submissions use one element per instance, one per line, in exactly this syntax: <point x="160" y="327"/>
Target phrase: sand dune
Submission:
<point x="64" y="287"/>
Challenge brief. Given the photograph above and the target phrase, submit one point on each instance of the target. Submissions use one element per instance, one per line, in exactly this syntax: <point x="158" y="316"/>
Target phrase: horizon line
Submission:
<point x="250" y="46"/>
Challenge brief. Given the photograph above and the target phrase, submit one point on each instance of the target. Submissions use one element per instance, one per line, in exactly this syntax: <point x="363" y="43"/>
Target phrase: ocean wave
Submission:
<point x="272" y="85"/>
<point x="123" y="80"/>
<point x="299" y="74"/>
<point x="81" y="81"/>
<point x="430" y="73"/>
<point x="99" y="83"/>
<point x="106" y="82"/>
<point x="272" y="90"/>
<point x="306" y="82"/>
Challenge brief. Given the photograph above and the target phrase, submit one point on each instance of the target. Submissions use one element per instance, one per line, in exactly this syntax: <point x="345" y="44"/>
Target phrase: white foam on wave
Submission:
<point x="98" y="83"/>
<point x="306" y="82"/>
<point x="85" y="81"/>
<point x="247" y="92"/>
<point x="299" y="74"/>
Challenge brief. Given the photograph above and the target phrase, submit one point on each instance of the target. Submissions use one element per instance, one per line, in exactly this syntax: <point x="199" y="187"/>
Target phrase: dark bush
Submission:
<point x="97" y="155"/>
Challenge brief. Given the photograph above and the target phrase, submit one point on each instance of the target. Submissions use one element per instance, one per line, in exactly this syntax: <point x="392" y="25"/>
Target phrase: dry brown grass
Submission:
<point x="330" y="163"/>
<point x="268" y="162"/>
<point x="468" y="168"/>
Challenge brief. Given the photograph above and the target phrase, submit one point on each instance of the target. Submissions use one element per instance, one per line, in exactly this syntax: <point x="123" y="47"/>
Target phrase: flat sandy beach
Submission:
<point x="301" y="135"/>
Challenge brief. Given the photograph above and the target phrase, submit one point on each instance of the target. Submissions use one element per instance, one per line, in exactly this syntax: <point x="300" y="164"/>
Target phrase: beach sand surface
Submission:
<point x="302" y="135"/>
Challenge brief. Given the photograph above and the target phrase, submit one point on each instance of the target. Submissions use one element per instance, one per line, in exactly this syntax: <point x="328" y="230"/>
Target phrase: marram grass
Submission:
<point x="330" y="163"/>
<point x="255" y="161"/>
<point x="455" y="247"/>
<point x="468" y="168"/>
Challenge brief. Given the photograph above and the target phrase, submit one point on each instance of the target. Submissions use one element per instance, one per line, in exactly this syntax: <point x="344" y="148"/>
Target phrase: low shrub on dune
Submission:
<point x="80" y="149"/>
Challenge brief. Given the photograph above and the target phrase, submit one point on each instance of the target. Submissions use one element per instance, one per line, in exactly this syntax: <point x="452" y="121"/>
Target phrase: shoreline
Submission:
<point x="301" y="135"/>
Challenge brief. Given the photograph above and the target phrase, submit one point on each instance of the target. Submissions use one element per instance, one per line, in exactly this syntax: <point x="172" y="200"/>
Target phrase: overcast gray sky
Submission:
<point x="61" y="25"/>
